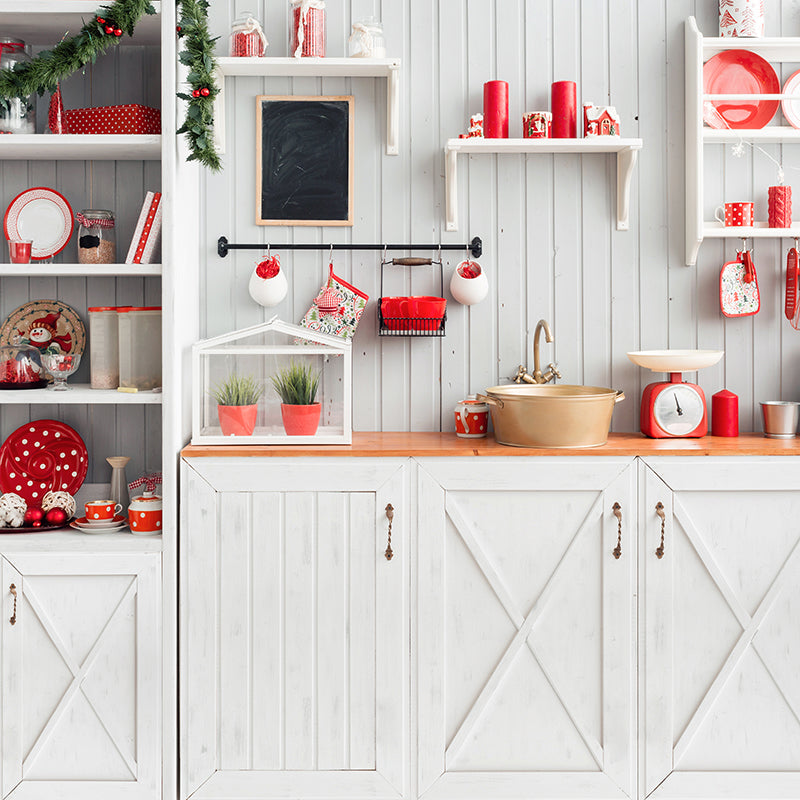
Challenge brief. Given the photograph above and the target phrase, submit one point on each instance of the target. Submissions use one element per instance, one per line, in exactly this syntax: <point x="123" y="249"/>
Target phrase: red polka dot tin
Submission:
<point x="472" y="418"/>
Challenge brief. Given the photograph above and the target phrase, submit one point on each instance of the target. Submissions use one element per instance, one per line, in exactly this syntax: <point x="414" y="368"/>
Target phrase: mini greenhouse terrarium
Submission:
<point x="273" y="383"/>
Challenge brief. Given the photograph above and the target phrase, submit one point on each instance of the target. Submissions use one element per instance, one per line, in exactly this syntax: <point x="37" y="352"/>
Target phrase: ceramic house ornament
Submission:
<point x="261" y="353"/>
<point x="600" y="121"/>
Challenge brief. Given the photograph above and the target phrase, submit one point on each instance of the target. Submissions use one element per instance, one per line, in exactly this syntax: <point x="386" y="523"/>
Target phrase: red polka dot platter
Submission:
<point x="42" y="456"/>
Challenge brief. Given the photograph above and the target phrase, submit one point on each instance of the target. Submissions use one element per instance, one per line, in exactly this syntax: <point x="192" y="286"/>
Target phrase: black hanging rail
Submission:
<point x="475" y="247"/>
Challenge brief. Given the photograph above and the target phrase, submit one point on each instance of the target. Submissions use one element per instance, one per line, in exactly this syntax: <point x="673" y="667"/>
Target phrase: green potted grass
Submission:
<point x="297" y="386"/>
<point x="237" y="404"/>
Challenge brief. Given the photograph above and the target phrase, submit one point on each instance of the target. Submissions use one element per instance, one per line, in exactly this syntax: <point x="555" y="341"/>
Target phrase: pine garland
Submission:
<point x="198" y="55"/>
<point x="44" y="72"/>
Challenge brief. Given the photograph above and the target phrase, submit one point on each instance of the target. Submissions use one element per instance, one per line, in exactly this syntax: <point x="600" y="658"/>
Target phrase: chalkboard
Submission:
<point x="304" y="160"/>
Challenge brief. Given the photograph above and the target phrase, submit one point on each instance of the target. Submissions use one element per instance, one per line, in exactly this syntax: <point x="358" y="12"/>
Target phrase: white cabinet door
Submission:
<point x="722" y="628"/>
<point x="81" y="677"/>
<point x="295" y="629"/>
<point x="525" y="628"/>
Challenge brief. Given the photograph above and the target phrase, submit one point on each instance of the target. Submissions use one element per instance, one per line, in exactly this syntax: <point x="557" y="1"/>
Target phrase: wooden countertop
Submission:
<point x="400" y="444"/>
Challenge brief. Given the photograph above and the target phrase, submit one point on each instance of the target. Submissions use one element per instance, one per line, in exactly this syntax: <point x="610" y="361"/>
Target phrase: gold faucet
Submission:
<point x="522" y="375"/>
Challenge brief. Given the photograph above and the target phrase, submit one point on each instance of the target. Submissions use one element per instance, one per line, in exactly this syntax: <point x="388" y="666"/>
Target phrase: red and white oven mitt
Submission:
<point x="738" y="287"/>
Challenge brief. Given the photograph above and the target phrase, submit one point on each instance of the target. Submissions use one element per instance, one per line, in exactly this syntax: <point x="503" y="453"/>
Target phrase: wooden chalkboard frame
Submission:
<point x="262" y="145"/>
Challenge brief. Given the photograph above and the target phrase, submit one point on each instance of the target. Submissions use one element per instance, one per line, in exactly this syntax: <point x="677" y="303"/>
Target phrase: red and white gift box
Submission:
<point x="131" y="118"/>
<point x="148" y="231"/>
<point x="741" y="18"/>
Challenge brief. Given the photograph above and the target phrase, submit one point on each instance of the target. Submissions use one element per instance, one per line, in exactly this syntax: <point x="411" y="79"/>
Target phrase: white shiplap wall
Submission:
<point x="551" y="248"/>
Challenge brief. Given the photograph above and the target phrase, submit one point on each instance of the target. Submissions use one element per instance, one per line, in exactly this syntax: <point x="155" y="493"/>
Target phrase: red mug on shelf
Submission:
<point x="101" y="510"/>
<point x="735" y="215"/>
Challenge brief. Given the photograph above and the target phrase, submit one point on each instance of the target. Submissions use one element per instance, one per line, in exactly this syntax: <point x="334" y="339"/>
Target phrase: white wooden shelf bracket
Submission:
<point x="626" y="161"/>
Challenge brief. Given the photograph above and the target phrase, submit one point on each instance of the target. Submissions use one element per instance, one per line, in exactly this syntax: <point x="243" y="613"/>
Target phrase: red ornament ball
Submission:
<point x="108" y="29"/>
<point x="101" y="21"/>
<point x="205" y="91"/>
<point x="34" y="515"/>
<point x="56" y="516"/>
<point x="178" y="29"/>
<point x="196" y="93"/>
<point x="117" y="32"/>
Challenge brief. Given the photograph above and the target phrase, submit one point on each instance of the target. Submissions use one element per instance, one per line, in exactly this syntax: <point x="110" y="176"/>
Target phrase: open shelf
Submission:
<point x="68" y="539"/>
<point x="267" y="67"/>
<point x="78" y="394"/>
<point x="698" y="50"/>
<point x="80" y="147"/>
<point x="44" y="22"/>
<point x="39" y="270"/>
<point x="626" y="151"/>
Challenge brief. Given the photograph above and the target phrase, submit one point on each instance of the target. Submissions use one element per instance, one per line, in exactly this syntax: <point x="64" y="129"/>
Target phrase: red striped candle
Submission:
<point x="724" y="414"/>
<point x="780" y="206"/>
<point x="565" y="110"/>
<point x="495" y="110"/>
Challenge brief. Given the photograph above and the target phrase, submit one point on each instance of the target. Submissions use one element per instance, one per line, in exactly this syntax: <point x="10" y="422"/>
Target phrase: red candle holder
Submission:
<point x="495" y="110"/>
<point x="724" y="414"/>
<point x="780" y="206"/>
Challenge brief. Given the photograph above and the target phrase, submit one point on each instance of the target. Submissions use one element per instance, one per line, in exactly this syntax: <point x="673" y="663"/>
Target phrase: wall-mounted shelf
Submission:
<point x="698" y="51"/>
<point x="47" y="270"/>
<point x="626" y="150"/>
<point x="80" y="147"/>
<point x="78" y="394"/>
<point x="388" y="68"/>
<point x="44" y="22"/>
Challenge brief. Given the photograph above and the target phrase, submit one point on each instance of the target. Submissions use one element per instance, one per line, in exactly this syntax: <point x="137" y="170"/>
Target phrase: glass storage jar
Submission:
<point x="17" y="114"/>
<point x="140" y="347"/>
<point x="97" y="240"/>
<point x="21" y="366"/>
<point x="307" y="28"/>
<point x="366" y="40"/>
<point x="247" y="37"/>
<point x="104" y="343"/>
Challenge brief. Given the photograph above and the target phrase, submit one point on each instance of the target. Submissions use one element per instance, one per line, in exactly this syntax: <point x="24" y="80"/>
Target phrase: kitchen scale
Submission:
<point x="675" y="408"/>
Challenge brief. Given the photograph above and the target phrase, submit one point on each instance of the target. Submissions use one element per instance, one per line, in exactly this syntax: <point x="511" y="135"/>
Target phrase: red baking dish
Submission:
<point x="420" y="313"/>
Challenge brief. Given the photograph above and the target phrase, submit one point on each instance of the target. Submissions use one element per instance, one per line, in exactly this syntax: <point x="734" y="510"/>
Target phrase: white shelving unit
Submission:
<point x="49" y="269"/>
<point x="79" y="394"/>
<point x="81" y="147"/>
<point x="698" y="50"/>
<point x="388" y="68"/>
<point x="627" y="151"/>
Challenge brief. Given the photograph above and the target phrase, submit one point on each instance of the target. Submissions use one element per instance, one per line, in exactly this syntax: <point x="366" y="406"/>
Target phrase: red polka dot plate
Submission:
<point x="42" y="456"/>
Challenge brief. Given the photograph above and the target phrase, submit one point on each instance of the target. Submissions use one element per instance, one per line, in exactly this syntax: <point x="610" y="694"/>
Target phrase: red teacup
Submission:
<point x="101" y="510"/>
<point x="735" y="215"/>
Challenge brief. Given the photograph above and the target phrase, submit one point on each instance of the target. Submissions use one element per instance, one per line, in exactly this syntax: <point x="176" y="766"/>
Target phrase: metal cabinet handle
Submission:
<point x="617" y="509"/>
<point x="660" y="512"/>
<point x="13" y="590"/>
<point x="390" y="516"/>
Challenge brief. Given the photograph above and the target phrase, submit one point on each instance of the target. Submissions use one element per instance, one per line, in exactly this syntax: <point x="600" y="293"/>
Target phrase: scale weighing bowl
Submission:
<point x="675" y="360"/>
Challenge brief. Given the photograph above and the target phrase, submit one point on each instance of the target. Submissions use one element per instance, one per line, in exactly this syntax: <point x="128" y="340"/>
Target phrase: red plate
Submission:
<point x="42" y="215"/>
<point x="740" y="72"/>
<point x="42" y="456"/>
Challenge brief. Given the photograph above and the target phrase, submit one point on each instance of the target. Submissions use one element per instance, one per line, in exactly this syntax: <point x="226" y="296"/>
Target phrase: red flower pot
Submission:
<point x="237" y="420"/>
<point x="301" y="420"/>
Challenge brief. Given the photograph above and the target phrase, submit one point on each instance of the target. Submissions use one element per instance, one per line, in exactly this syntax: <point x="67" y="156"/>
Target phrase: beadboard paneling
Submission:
<point x="551" y="247"/>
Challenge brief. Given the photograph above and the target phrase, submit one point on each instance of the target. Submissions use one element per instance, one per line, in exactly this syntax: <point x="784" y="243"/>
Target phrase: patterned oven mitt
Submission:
<point x="337" y="309"/>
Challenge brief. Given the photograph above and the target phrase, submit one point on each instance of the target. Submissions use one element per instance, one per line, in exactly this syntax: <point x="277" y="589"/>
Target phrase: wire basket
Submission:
<point x="412" y="324"/>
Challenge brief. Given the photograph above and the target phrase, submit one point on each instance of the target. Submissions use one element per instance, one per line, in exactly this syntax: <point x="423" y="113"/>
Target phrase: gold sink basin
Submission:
<point x="551" y="416"/>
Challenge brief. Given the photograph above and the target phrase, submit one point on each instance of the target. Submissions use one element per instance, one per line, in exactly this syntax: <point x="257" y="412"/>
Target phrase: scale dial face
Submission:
<point x="678" y="409"/>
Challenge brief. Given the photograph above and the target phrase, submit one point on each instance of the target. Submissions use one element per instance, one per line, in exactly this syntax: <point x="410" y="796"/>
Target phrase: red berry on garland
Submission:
<point x="34" y="515"/>
<point x="56" y="516"/>
<point x="205" y="91"/>
<point x="178" y="29"/>
<point x="101" y="21"/>
<point x="108" y="29"/>
<point x="196" y="93"/>
<point x="117" y="32"/>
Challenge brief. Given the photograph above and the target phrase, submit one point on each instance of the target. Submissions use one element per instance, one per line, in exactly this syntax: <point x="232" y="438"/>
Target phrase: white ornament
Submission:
<point x="63" y="500"/>
<point x="12" y="510"/>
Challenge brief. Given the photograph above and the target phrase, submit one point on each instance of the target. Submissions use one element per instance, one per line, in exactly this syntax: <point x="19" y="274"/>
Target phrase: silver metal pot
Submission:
<point x="551" y="416"/>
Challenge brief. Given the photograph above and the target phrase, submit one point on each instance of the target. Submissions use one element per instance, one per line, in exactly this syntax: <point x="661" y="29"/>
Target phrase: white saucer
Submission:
<point x="97" y="528"/>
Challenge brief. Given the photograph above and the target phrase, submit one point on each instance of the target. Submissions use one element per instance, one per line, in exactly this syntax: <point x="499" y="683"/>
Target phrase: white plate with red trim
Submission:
<point x="42" y="215"/>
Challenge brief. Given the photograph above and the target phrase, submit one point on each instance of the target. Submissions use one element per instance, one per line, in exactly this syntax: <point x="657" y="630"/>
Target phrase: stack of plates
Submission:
<point x="100" y="525"/>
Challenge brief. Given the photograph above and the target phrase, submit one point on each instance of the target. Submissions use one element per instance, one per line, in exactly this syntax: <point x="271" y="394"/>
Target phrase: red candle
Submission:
<point x="780" y="206"/>
<point x="565" y="110"/>
<point x="724" y="414"/>
<point x="495" y="110"/>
